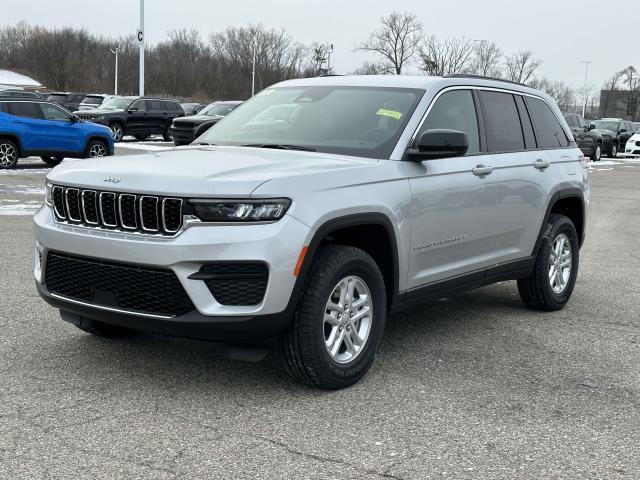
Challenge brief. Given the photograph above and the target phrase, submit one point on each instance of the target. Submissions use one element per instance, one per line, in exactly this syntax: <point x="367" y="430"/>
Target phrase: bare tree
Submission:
<point x="521" y="66"/>
<point x="318" y="54"/>
<point x="561" y="92"/>
<point x="368" y="68"/>
<point x="396" y="40"/>
<point x="611" y="85"/>
<point x="486" y="60"/>
<point x="445" y="56"/>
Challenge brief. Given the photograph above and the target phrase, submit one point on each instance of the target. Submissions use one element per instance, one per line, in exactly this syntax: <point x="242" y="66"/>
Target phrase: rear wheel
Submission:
<point x="117" y="132"/>
<point x="596" y="155"/>
<point x="100" y="329"/>
<point x="551" y="283"/>
<point x="338" y="325"/>
<point x="8" y="154"/>
<point x="95" y="149"/>
<point x="52" y="161"/>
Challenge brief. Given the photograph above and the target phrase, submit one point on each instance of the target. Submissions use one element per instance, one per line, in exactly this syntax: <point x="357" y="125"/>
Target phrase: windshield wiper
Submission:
<point x="280" y="146"/>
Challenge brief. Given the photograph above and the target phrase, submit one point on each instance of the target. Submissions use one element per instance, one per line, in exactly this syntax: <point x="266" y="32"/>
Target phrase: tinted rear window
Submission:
<point x="25" y="109"/>
<point x="549" y="132"/>
<point x="92" y="100"/>
<point x="501" y="121"/>
<point x="57" y="98"/>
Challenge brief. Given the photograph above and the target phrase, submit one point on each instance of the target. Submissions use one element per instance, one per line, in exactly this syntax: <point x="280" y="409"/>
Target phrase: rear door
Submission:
<point x="585" y="141"/>
<point x="64" y="135"/>
<point x="137" y="118"/>
<point x="520" y="198"/>
<point x="30" y="125"/>
<point x="156" y="114"/>
<point x="453" y="209"/>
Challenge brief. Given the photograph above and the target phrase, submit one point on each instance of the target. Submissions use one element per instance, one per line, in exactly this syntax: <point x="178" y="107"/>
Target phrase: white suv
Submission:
<point x="354" y="197"/>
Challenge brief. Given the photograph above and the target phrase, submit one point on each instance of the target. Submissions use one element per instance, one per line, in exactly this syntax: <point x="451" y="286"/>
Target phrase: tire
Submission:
<point x="52" y="161"/>
<point x="141" y="138"/>
<point x="596" y="155"/>
<point x="100" y="329"/>
<point x="537" y="291"/>
<point x="117" y="131"/>
<point x="613" y="150"/>
<point x="303" y="346"/>
<point x="96" y="149"/>
<point x="166" y="135"/>
<point x="9" y="154"/>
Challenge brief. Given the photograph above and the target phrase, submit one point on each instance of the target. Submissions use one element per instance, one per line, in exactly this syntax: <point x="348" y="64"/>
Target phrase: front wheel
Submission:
<point x="117" y="132"/>
<point x="96" y="149"/>
<point x="167" y="135"/>
<point x="613" y="151"/>
<point x="596" y="155"/>
<point x="338" y="325"/>
<point x="551" y="283"/>
<point x="52" y="161"/>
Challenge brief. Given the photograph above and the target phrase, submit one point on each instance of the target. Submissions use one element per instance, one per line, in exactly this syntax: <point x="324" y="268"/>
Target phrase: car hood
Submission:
<point x="603" y="131"/>
<point x="198" y="170"/>
<point x="199" y="118"/>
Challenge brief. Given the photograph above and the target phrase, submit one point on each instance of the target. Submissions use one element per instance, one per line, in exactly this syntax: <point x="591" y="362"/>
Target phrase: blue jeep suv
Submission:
<point x="41" y="128"/>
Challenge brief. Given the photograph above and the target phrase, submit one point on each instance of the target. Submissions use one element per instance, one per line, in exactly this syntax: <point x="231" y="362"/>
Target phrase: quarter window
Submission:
<point x="549" y="132"/>
<point x="525" y="120"/>
<point x="501" y="122"/>
<point x="455" y="110"/>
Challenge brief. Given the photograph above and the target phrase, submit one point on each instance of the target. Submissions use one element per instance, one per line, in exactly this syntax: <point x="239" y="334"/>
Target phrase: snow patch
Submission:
<point x="19" y="209"/>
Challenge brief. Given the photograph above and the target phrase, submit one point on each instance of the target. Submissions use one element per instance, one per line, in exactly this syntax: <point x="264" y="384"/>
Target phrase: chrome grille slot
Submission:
<point x="72" y="202"/>
<point x="57" y="194"/>
<point x="127" y="212"/>
<point x="149" y="213"/>
<point x="89" y="206"/>
<point x="108" y="209"/>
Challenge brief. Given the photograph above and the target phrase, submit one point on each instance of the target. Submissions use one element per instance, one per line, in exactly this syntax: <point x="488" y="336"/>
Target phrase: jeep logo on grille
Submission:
<point x="111" y="179"/>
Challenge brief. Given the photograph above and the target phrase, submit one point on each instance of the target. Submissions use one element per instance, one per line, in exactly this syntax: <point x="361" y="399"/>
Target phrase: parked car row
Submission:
<point x="607" y="136"/>
<point x="185" y="130"/>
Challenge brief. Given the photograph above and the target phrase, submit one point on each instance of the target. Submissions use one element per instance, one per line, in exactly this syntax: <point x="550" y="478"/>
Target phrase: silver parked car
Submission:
<point x="350" y="199"/>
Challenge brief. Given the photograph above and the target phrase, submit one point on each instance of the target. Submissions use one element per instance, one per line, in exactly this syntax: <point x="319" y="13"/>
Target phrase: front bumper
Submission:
<point x="276" y="244"/>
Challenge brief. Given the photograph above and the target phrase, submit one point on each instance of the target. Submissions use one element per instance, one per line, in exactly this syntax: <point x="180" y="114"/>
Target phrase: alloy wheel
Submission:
<point x="598" y="152"/>
<point x="116" y="132"/>
<point x="8" y="155"/>
<point x="560" y="261"/>
<point x="348" y="318"/>
<point x="97" y="150"/>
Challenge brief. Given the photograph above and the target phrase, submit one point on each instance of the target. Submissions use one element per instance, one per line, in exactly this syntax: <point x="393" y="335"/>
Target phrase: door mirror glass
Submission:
<point x="441" y="143"/>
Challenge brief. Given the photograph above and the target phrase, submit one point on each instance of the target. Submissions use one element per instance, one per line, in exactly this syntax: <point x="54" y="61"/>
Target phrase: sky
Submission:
<point x="562" y="33"/>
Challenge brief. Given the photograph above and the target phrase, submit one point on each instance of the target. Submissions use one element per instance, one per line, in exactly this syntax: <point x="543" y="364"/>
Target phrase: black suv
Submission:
<point x="185" y="130"/>
<point x="587" y="138"/>
<point x="137" y="116"/>
<point x="20" y="94"/>
<point x="615" y="133"/>
<point x="69" y="100"/>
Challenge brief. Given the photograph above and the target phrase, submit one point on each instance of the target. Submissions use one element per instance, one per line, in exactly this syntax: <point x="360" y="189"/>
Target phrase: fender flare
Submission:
<point x="569" y="192"/>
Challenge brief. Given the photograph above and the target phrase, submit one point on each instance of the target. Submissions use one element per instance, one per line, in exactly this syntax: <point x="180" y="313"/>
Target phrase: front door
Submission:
<point x="453" y="199"/>
<point x="64" y="134"/>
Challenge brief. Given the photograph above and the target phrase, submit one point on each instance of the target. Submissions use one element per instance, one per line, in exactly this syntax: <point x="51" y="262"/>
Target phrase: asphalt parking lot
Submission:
<point x="471" y="387"/>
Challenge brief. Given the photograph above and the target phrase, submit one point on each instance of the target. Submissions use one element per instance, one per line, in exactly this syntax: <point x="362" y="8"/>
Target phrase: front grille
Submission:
<point x="235" y="283"/>
<point x="183" y="131"/>
<point x="114" y="285"/>
<point x="86" y="116"/>
<point x="128" y="212"/>
<point x="638" y="144"/>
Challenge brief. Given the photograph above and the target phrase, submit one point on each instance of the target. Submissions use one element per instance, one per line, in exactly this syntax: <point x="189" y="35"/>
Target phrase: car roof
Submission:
<point x="613" y="119"/>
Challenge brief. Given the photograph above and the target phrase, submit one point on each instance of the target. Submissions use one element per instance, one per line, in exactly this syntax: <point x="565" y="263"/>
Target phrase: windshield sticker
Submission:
<point x="389" y="113"/>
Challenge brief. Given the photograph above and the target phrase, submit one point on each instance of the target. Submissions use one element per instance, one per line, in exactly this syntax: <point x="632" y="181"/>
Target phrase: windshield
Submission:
<point x="116" y="103"/>
<point x="57" y="97"/>
<point x="360" y="121"/>
<point x="217" y="109"/>
<point x="606" y="125"/>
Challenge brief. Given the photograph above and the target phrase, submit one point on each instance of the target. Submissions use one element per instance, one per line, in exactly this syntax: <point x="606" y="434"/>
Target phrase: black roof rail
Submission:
<point x="482" y="77"/>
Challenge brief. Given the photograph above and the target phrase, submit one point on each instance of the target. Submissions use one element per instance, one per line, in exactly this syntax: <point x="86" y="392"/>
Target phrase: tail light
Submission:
<point x="584" y="161"/>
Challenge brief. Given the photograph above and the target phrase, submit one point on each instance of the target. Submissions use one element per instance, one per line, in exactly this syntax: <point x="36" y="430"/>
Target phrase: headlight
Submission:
<point x="240" y="211"/>
<point x="47" y="197"/>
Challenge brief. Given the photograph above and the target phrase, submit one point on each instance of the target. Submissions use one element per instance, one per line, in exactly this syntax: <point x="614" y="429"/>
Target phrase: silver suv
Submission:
<point x="315" y="210"/>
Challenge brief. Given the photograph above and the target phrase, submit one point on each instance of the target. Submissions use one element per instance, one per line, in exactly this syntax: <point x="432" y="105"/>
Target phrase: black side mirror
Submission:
<point x="592" y="126"/>
<point x="74" y="119"/>
<point x="622" y="130"/>
<point x="440" y="143"/>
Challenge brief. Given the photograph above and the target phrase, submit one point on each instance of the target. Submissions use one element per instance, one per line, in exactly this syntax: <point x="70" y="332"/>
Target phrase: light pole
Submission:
<point x="140" y="35"/>
<point x="253" y="70"/>
<point x="586" y="72"/>
<point x="329" y="52"/>
<point x="115" y="52"/>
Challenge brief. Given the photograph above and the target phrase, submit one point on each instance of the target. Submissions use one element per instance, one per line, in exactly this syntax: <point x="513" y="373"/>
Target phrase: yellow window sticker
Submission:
<point x="389" y="113"/>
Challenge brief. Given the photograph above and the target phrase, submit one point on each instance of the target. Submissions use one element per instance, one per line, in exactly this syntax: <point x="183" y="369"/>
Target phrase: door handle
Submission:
<point x="482" y="170"/>
<point x="541" y="164"/>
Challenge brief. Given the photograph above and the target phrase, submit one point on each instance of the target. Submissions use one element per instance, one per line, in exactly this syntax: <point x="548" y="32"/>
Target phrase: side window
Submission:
<point x="3" y="107"/>
<point x="25" y="109"/>
<point x="525" y="121"/>
<point x="154" y="105"/>
<point x="549" y="132"/>
<point x="582" y="122"/>
<point x="139" y="105"/>
<point x="570" y="122"/>
<point x="455" y="110"/>
<point x="53" y="112"/>
<point x="501" y="122"/>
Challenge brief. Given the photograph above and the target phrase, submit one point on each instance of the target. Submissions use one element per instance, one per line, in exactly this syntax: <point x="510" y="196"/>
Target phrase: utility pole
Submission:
<point x="586" y="72"/>
<point x="253" y="70"/>
<point x="329" y="52"/>
<point x="115" y="52"/>
<point x="140" y="35"/>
